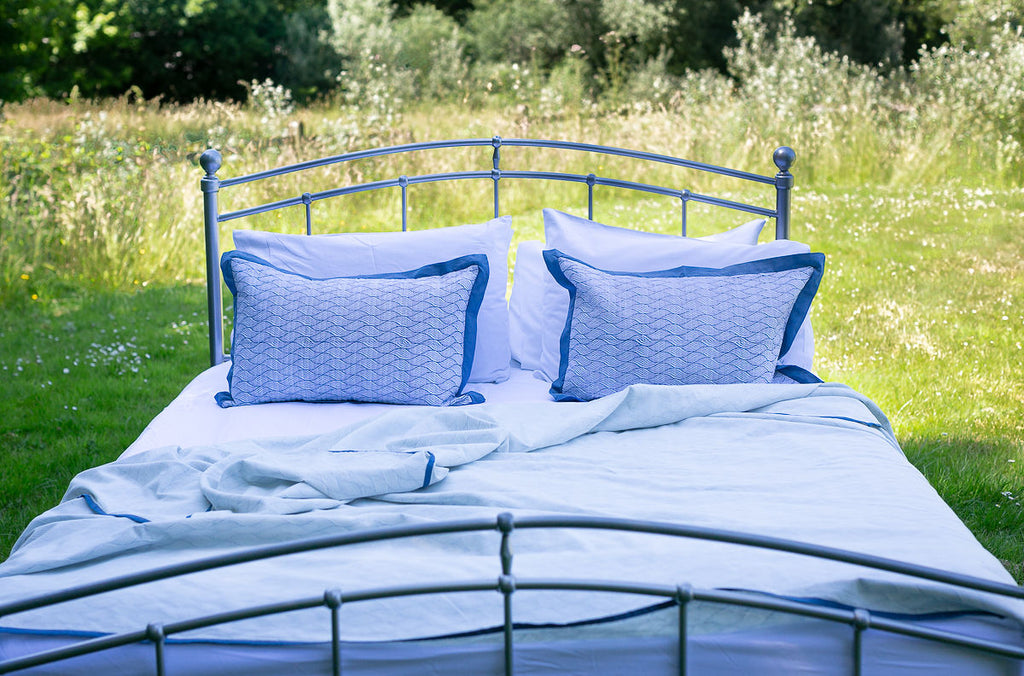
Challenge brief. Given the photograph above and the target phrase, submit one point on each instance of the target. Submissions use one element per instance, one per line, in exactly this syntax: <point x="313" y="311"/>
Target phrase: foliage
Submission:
<point x="184" y="50"/>
<point x="181" y="49"/>
<point x="521" y="31"/>
<point x="976" y="96"/>
<point x="867" y="31"/>
<point x="432" y="46"/>
<point x="973" y="23"/>
<point x="305" y="61"/>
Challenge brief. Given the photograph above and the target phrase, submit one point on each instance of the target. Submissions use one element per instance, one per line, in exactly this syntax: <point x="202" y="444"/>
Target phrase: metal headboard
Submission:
<point x="211" y="185"/>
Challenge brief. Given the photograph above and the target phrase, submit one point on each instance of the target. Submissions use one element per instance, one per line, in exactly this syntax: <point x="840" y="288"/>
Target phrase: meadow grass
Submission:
<point x="921" y="309"/>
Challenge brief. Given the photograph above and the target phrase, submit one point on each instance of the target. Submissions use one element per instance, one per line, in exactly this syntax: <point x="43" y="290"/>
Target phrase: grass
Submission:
<point x="81" y="377"/>
<point x="922" y="307"/>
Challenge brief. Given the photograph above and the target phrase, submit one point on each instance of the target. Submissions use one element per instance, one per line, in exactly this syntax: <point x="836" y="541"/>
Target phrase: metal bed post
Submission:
<point x="403" y="183"/>
<point x="861" y="622"/>
<point x="332" y="599"/>
<point x="684" y="594"/>
<point x="784" y="157"/>
<point x="307" y="199"/>
<point x="210" y="161"/>
<point x="155" y="633"/>
<point x="684" y="198"/>
<point x="591" y="181"/>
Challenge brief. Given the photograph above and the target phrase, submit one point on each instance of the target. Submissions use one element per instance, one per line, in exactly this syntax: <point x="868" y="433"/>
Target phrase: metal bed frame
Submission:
<point x="506" y="583"/>
<point x="784" y="157"/>
<point x="860" y="620"/>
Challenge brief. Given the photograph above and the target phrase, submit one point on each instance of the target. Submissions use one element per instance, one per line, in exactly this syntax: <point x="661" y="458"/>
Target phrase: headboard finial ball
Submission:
<point x="210" y="161"/>
<point x="784" y="157"/>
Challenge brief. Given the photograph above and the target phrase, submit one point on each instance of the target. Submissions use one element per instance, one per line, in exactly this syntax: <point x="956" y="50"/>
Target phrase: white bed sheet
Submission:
<point x="193" y="418"/>
<point x="735" y="645"/>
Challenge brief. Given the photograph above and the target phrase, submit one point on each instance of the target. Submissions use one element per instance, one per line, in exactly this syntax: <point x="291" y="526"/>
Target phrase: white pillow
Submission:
<point x="352" y="254"/>
<point x="525" y="309"/>
<point x="538" y="311"/>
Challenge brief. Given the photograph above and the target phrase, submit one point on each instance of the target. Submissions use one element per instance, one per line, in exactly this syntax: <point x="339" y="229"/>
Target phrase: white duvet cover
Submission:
<point x="816" y="463"/>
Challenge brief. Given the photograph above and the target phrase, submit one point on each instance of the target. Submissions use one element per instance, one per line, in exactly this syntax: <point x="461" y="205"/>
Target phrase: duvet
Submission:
<point x="816" y="463"/>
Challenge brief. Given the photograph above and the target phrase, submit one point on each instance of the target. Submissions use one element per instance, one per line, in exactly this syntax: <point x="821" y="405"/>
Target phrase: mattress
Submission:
<point x="815" y="463"/>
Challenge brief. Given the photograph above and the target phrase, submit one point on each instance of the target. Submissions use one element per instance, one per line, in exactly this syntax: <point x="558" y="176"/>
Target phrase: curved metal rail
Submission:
<point x="506" y="584"/>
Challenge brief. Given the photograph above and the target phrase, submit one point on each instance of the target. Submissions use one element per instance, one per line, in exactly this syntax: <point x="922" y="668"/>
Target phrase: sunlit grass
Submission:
<point x="80" y="377"/>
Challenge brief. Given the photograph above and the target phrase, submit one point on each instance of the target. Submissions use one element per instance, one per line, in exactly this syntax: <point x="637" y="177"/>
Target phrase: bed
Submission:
<point x="626" y="465"/>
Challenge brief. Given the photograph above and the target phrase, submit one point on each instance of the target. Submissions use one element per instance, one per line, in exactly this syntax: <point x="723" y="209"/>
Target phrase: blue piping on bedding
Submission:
<point x="866" y="423"/>
<point x="95" y="507"/>
<point x="429" y="472"/>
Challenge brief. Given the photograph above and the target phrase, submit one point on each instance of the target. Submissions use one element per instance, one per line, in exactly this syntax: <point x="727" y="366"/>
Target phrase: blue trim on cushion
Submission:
<point x="95" y="507"/>
<point x="467" y="398"/>
<point x="551" y="261"/>
<point x="802" y="305"/>
<point x="476" y="296"/>
<point x="798" y="374"/>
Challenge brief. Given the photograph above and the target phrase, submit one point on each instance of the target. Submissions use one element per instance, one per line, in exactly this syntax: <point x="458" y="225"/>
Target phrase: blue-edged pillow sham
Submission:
<point x="395" y="338"/>
<point x="686" y="325"/>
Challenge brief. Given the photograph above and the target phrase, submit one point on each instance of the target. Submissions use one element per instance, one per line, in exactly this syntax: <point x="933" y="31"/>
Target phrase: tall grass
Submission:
<point x="910" y="182"/>
<point x="105" y="193"/>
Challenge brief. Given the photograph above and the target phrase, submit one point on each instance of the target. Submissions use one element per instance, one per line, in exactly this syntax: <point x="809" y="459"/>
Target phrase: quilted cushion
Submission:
<point x="401" y="338"/>
<point x="681" y="326"/>
<point x="353" y="254"/>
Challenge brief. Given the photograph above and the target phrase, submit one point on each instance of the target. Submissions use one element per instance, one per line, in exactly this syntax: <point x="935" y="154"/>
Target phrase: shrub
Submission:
<point x="307" y="63"/>
<point x="521" y="31"/>
<point x="974" y="98"/>
<point x="431" y="45"/>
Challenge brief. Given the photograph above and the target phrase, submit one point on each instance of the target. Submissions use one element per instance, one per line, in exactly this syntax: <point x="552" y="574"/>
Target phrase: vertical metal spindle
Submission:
<point x="496" y="171"/>
<point x="210" y="161"/>
<point x="861" y="621"/>
<point x="155" y="633"/>
<point x="684" y="197"/>
<point x="332" y="599"/>
<point x="507" y="585"/>
<point x="307" y="199"/>
<point x="684" y="594"/>
<point x="403" y="183"/>
<point x="505" y="525"/>
<point x="591" y="181"/>
<point x="784" y="157"/>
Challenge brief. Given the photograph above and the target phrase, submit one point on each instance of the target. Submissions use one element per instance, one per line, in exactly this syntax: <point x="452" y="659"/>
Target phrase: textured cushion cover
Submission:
<point x="686" y="325"/>
<point x="399" y="338"/>
<point x="622" y="249"/>
<point x="532" y="283"/>
<point x="352" y="254"/>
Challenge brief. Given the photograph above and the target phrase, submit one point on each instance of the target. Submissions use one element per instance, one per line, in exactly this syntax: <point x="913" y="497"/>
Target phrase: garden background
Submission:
<point x="907" y="117"/>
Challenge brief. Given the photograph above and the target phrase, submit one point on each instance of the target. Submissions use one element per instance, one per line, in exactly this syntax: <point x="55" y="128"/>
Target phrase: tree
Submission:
<point x="31" y="35"/>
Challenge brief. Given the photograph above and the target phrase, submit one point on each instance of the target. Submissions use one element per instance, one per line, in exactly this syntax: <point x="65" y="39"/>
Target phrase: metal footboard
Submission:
<point x="859" y="620"/>
<point x="211" y="185"/>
